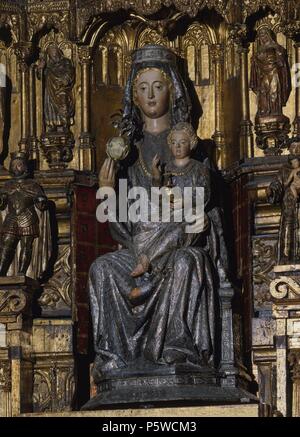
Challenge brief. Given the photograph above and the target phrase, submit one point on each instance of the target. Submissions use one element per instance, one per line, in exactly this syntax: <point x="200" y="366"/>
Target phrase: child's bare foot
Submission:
<point x="135" y="294"/>
<point x="138" y="271"/>
<point x="142" y="267"/>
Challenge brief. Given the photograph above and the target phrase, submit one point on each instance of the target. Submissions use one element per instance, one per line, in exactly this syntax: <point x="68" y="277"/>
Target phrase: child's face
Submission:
<point x="295" y="163"/>
<point x="180" y="144"/>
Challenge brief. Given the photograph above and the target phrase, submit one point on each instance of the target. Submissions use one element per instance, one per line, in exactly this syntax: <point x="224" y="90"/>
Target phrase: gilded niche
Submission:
<point x="271" y="82"/>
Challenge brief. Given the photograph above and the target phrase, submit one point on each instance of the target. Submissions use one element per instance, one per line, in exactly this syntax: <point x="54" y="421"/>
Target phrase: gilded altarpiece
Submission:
<point x="50" y="345"/>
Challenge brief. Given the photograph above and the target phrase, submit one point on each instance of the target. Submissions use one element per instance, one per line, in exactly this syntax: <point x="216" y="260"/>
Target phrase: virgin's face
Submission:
<point x="264" y="37"/>
<point x="152" y="94"/>
<point x="53" y="54"/>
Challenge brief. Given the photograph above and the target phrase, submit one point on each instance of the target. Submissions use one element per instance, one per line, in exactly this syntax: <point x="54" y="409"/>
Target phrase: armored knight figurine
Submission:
<point x="21" y="198"/>
<point x="59" y="73"/>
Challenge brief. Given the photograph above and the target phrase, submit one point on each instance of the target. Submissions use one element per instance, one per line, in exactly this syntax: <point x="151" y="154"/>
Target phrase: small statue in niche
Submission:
<point x="294" y="178"/>
<point x="25" y="221"/>
<point x="271" y="82"/>
<point x="59" y="74"/>
<point x="284" y="190"/>
<point x="270" y="75"/>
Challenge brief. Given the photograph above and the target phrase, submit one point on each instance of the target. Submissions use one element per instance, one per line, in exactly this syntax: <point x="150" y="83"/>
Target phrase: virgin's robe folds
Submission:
<point x="181" y="314"/>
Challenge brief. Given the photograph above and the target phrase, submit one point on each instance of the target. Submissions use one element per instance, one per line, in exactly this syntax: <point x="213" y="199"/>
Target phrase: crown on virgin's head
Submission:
<point x="153" y="53"/>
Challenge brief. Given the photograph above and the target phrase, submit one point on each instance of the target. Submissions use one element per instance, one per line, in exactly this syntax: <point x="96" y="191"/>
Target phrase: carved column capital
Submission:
<point x="292" y="30"/>
<point x="238" y="34"/>
<point x="11" y="20"/>
<point x="218" y="53"/>
<point x="22" y="51"/>
<point x="85" y="54"/>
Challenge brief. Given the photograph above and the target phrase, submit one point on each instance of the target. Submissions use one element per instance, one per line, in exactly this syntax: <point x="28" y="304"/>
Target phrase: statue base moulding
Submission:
<point x="57" y="147"/>
<point x="165" y="384"/>
<point x="272" y="133"/>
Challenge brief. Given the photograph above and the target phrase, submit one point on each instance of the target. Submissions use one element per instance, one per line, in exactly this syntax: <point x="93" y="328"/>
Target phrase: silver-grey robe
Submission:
<point x="182" y="311"/>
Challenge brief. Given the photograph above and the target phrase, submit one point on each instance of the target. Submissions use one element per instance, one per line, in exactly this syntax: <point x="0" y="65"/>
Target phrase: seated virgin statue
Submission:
<point x="155" y="302"/>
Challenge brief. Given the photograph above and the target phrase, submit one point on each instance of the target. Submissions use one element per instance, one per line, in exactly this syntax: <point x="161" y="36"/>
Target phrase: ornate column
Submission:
<point x="246" y="134"/>
<point x="5" y="383"/>
<point x="296" y="122"/>
<point x="218" y="136"/>
<point x="16" y="372"/>
<point x="294" y="360"/>
<point x="22" y="51"/>
<point x="86" y="148"/>
<point x="292" y="32"/>
<point x="227" y="366"/>
<point x="285" y="292"/>
<point x="33" y="141"/>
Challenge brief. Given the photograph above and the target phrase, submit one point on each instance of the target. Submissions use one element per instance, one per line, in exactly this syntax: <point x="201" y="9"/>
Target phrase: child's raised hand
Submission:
<point x="156" y="170"/>
<point x="156" y="162"/>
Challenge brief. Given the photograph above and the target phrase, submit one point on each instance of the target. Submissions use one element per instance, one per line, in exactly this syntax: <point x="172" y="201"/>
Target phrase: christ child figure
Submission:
<point x="152" y="243"/>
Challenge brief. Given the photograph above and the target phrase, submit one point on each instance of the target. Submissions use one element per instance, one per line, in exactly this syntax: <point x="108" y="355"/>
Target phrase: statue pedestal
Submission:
<point x="16" y="367"/>
<point x="272" y="133"/>
<point x="162" y="385"/>
<point x="57" y="148"/>
<point x="285" y="292"/>
<point x="144" y="382"/>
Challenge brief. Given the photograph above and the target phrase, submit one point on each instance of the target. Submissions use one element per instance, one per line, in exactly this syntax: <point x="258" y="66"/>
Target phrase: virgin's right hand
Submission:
<point x="107" y="175"/>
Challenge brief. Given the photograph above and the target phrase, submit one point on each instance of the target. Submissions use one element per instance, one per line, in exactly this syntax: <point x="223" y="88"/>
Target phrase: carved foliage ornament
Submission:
<point x="84" y="54"/>
<point x="252" y="6"/>
<point x="5" y="376"/>
<point x="264" y="259"/>
<point x="89" y="8"/>
<point x="59" y="20"/>
<point x="58" y="289"/>
<point x="53" y="388"/>
<point x="149" y="7"/>
<point x="11" y="21"/>
<point x="190" y="7"/>
<point x="294" y="360"/>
